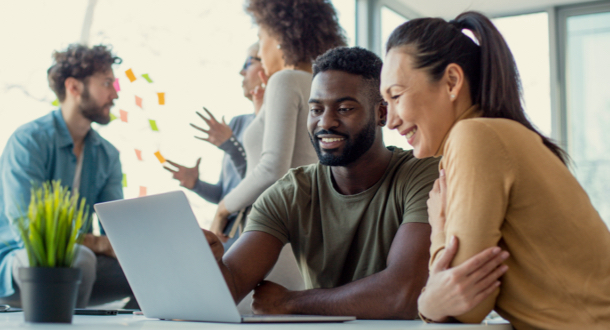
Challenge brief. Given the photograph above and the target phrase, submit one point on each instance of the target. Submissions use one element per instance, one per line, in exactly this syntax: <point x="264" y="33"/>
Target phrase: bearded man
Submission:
<point x="62" y="146"/>
<point x="357" y="221"/>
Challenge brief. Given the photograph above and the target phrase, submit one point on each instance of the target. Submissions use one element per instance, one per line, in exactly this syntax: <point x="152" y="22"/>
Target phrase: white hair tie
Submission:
<point x="470" y="34"/>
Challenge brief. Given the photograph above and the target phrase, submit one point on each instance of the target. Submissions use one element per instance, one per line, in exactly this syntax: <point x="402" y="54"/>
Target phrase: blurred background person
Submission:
<point x="228" y="138"/>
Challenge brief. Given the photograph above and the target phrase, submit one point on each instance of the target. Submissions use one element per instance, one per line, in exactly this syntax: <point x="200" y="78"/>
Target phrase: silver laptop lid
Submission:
<point x="166" y="258"/>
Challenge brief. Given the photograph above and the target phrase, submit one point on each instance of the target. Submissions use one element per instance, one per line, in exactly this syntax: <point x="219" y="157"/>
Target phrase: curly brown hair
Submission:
<point x="80" y="62"/>
<point x="304" y="28"/>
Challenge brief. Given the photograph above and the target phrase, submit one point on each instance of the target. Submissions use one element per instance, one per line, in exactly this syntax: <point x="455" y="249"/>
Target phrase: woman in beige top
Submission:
<point x="453" y="91"/>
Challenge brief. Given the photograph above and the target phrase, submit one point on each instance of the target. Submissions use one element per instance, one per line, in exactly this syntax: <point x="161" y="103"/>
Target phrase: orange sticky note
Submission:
<point x="139" y="154"/>
<point x="139" y="101"/>
<point x="159" y="157"/>
<point x="161" y="98"/>
<point x="130" y="75"/>
<point x="123" y="115"/>
<point x="142" y="191"/>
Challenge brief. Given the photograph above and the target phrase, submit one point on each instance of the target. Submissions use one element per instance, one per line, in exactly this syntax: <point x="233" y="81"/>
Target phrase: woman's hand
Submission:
<point x="217" y="132"/>
<point x="220" y="222"/>
<point x="258" y="92"/>
<point x="455" y="291"/>
<point x="437" y="202"/>
<point x="187" y="176"/>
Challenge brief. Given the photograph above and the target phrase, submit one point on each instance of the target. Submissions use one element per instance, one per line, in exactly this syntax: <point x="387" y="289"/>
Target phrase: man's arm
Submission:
<point x="389" y="294"/>
<point x="248" y="261"/>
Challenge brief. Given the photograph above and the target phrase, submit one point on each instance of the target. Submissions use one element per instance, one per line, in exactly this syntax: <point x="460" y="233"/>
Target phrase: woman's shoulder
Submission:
<point x="286" y="78"/>
<point x="487" y="128"/>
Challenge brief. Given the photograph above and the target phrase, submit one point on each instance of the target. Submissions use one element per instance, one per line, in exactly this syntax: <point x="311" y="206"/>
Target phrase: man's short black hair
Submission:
<point x="354" y="60"/>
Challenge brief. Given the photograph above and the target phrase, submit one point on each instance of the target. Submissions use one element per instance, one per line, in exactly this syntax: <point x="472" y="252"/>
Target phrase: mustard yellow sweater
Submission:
<point x="505" y="188"/>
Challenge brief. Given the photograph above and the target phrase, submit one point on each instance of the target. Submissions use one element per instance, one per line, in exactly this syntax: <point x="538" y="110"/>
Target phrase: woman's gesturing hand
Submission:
<point x="187" y="176"/>
<point x="455" y="291"/>
<point x="217" y="132"/>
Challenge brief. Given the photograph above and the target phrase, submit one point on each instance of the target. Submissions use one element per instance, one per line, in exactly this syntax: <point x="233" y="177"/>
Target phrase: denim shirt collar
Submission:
<point x="63" y="134"/>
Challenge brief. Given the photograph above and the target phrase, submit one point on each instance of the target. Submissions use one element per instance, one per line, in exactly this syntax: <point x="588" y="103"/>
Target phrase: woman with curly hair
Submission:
<point x="291" y="35"/>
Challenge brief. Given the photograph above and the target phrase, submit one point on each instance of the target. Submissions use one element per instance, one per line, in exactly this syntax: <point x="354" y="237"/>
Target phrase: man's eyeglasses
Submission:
<point x="249" y="62"/>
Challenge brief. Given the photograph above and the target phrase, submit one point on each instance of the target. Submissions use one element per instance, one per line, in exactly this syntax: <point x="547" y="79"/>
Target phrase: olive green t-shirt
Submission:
<point x="337" y="238"/>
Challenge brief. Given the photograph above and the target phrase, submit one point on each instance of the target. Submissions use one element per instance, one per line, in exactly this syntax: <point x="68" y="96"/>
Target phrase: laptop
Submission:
<point x="169" y="264"/>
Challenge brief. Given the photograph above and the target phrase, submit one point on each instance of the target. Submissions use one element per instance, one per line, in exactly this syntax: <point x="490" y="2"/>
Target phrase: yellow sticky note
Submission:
<point x="160" y="157"/>
<point x="142" y="191"/>
<point x="161" y="98"/>
<point x="112" y="117"/>
<point x="124" y="180"/>
<point x="130" y="75"/>
<point x="55" y="103"/>
<point x="153" y="125"/>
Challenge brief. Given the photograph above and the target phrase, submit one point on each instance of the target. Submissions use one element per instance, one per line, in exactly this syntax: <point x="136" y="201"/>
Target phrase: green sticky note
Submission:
<point x="153" y="125"/>
<point x="55" y="103"/>
<point x="112" y="117"/>
<point x="124" y="180"/>
<point x="145" y="76"/>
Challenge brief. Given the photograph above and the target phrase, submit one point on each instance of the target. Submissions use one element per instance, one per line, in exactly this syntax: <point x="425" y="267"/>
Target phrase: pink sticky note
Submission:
<point x="123" y="115"/>
<point x="142" y="191"/>
<point x="139" y="154"/>
<point x="139" y="101"/>
<point x="117" y="87"/>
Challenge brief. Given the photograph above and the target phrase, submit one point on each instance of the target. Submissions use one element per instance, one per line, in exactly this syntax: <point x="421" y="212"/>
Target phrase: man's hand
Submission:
<point x="270" y="298"/>
<point x="217" y="132"/>
<point x="455" y="291"/>
<point x="217" y="249"/>
<point x="99" y="245"/>
<point x="437" y="203"/>
<point x="187" y="176"/>
<point x="220" y="222"/>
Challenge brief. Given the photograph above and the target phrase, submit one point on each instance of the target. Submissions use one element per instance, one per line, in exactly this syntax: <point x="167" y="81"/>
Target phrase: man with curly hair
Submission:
<point x="62" y="146"/>
<point x="357" y="220"/>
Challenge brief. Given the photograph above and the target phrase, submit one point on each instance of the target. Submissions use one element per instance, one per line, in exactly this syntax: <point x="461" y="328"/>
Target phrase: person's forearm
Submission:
<point x="379" y="296"/>
<point x="210" y="192"/>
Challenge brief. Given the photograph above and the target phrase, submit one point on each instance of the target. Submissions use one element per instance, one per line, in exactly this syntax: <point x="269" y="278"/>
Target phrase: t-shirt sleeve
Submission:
<point x="271" y="211"/>
<point x="420" y="180"/>
<point x="479" y="178"/>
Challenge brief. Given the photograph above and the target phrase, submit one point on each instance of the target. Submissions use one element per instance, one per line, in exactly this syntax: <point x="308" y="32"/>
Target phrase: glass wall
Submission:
<point x="588" y="104"/>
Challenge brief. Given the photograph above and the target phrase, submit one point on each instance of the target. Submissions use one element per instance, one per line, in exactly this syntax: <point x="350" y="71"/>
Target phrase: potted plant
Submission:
<point x="54" y="223"/>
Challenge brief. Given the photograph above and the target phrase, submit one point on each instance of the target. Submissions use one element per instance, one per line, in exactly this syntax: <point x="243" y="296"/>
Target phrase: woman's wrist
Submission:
<point x="427" y="314"/>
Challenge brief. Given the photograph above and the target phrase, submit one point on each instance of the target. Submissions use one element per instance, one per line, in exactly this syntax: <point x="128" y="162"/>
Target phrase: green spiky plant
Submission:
<point x="54" y="223"/>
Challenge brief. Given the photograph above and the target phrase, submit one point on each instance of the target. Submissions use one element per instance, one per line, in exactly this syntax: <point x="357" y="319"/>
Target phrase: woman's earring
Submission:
<point x="279" y="46"/>
<point x="452" y="96"/>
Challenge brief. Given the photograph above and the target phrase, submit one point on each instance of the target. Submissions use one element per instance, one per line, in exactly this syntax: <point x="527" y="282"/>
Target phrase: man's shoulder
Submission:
<point x="105" y="145"/>
<point x="299" y="179"/>
<point x="38" y="130"/>
<point x="409" y="170"/>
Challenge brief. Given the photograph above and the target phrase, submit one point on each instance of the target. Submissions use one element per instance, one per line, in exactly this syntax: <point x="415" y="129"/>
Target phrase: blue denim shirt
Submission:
<point x="42" y="150"/>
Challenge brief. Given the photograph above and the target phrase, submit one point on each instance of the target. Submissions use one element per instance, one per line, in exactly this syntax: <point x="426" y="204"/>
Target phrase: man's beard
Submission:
<point x="90" y="110"/>
<point x="352" y="150"/>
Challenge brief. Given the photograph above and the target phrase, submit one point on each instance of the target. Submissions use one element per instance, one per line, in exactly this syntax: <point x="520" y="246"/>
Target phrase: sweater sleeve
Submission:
<point x="281" y="109"/>
<point x="479" y="178"/>
<point x="234" y="148"/>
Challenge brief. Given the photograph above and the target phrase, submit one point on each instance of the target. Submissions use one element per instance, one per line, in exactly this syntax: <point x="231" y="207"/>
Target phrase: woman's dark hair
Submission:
<point x="488" y="63"/>
<point x="80" y="62"/>
<point x="304" y="28"/>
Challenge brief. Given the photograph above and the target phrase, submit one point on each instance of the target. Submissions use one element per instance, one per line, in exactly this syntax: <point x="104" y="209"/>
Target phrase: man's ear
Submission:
<point x="382" y="113"/>
<point x="74" y="87"/>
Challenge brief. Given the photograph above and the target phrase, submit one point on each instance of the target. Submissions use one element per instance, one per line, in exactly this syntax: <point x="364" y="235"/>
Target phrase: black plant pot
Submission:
<point x="49" y="294"/>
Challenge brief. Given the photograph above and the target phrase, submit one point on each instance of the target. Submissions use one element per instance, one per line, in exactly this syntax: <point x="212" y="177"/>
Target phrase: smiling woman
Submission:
<point x="453" y="88"/>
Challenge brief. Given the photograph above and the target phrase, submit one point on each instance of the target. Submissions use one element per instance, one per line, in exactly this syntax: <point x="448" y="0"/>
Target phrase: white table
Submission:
<point x="126" y="321"/>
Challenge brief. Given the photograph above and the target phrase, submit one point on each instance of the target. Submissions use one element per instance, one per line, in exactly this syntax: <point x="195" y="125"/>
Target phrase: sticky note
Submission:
<point x="145" y="76"/>
<point x="160" y="157"/>
<point x="142" y="191"/>
<point x="153" y="125"/>
<point x="116" y="85"/>
<point x="112" y="117"/>
<point x="139" y="101"/>
<point x="139" y="154"/>
<point x="123" y="115"/>
<point x="55" y="103"/>
<point x="161" y="98"/>
<point x="130" y="75"/>
<point x="124" y="180"/>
